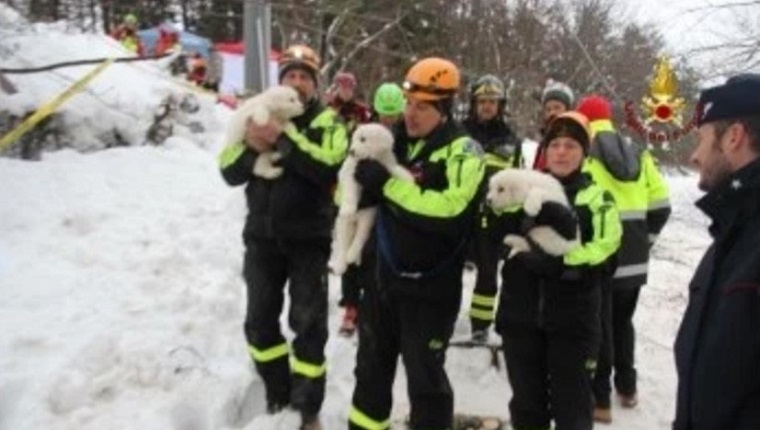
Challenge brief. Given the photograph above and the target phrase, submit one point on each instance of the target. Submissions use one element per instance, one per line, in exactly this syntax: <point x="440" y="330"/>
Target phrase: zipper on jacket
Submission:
<point x="541" y="294"/>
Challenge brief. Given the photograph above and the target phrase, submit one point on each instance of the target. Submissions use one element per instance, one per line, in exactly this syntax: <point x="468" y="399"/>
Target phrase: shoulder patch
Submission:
<point x="471" y="146"/>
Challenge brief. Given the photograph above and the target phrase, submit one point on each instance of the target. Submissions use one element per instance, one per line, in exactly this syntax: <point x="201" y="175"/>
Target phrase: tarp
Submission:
<point x="188" y="41"/>
<point x="233" y="75"/>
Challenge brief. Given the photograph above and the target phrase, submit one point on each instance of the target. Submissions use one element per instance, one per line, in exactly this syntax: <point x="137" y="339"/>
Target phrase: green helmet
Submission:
<point x="489" y="86"/>
<point x="130" y="19"/>
<point x="389" y="99"/>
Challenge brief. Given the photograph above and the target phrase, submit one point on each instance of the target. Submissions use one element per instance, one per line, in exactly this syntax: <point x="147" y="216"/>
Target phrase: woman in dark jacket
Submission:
<point x="549" y="307"/>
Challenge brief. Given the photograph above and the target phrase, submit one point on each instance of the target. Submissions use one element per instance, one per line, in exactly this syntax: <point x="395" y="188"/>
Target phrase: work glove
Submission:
<point x="372" y="176"/>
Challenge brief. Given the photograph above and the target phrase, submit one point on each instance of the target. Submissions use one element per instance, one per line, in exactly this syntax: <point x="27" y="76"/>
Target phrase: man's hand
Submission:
<point x="261" y="138"/>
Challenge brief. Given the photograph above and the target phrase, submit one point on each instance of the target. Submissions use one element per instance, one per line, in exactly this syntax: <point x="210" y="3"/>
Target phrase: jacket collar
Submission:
<point x="727" y="200"/>
<point x="312" y="109"/>
<point x="438" y="138"/>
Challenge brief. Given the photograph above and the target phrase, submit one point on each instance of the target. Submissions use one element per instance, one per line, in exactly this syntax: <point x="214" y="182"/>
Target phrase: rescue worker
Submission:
<point x="126" y="34"/>
<point x="486" y="124"/>
<point x="628" y="172"/>
<point x="718" y="343"/>
<point x="287" y="236"/>
<point x="422" y="228"/>
<point x="343" y="100"/>
<point x="548" y="311"/>
<point x="556" y="98"/>
<point x="389" y="106"/>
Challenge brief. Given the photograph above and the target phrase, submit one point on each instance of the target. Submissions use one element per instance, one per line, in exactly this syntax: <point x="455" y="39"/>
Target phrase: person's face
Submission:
<point x="709" y="158"/>
<point x="302" y="82"/>
<point x="345" y="92"/>
<point x="552" y="108"/>
<point x="564" y="156"/>
<point x="388" y="120"/>
<point x="486" y="108"/>
<point x="421" y="118"/>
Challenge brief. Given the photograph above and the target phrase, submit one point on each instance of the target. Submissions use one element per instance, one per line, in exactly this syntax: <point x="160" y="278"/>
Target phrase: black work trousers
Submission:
<point x="294" y="375"/>
<point x="619" y="300"/>
<point x="418" y="328"/>
<point x="485" y="253"/>
<point x="550" y="372"/>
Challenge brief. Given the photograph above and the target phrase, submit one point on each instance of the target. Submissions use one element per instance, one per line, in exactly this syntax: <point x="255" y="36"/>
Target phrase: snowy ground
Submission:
<point x="120" y="275"/>
<point x="123" y="302"/>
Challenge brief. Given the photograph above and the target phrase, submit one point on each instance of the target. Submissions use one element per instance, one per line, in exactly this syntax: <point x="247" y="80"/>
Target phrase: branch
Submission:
<point x="364" y="43"/>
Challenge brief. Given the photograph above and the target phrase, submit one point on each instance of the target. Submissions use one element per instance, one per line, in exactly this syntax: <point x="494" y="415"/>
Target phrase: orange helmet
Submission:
<point x="432" y="79"/>
<point x="299" y="56"/>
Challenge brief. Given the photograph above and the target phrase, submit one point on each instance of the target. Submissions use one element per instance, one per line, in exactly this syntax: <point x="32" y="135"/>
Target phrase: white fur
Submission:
<point x="530" y="189"/>
<point x="353" y="225"/>
<point x="280" y="103"/>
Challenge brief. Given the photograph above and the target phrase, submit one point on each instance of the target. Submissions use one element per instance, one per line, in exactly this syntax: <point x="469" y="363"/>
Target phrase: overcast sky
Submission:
<point x="691" y="24"/>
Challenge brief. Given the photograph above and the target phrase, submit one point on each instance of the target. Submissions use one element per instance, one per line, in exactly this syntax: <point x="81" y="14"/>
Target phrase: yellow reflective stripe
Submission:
<point x="631" y="270"/>
<point x="496" y="161"/>
<point x="362" y="420"/>
<point x="482" y="300"/>
<point x="308" y="370"/>
<point x="230" y="154"/>
<point x="608" y="229"/>
<point x="464" y="172"/>
<point x="332" y="150"/>
<point x="480" y="314"/>
<point x="269" y="354"/>
<point x="632" y="215"/>
<point x="659" y="204"/>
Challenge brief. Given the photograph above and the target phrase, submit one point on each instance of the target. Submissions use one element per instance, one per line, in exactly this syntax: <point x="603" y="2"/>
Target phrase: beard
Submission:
<point x="719" y="173"/>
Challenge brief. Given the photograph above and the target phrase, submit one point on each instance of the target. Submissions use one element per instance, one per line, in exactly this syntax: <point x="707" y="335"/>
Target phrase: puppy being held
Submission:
<point x="275" y="106"/>
<point x="353" y="225"/>
<point x="531" y="190"/>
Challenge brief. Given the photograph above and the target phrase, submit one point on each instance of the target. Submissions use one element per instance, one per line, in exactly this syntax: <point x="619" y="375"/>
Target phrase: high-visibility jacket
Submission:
<point x="424" y="226"/>
<point x="298" y="204"/>
<point x="641" y="194"/>
<point x="557" y="294"/>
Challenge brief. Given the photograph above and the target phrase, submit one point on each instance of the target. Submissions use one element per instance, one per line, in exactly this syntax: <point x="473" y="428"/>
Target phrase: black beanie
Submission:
<point x="567" y="126"/>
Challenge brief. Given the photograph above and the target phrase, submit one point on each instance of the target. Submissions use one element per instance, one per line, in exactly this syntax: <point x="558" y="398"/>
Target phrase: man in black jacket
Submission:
<point x="503" y="149"/>
<point x="287" y="238"/>
<point x="718" y="345"/>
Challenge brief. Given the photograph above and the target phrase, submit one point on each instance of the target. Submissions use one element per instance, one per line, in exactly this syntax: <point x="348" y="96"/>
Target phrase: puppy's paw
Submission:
<point x="337" y="266"/>
<point x="354" y="255"/>
<point x="532" y="204"/>
<point x="516" y="244"/>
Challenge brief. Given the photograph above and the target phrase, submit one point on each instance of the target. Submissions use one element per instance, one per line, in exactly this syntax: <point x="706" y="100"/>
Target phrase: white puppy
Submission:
<point x="530" y="189"/>
<point x="353" y="225"/>
<point x="280" y="103"/>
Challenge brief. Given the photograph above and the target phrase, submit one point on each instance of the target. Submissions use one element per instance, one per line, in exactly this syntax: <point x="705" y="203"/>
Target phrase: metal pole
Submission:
<point x="267" y="38"/>
<point x="256" y="54"/>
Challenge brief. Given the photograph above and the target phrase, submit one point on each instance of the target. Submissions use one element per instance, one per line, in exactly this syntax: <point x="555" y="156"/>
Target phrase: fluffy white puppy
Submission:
<point x="353" y="225"/>
<point x="280" y="103"/>
<point x="530" y="189"/>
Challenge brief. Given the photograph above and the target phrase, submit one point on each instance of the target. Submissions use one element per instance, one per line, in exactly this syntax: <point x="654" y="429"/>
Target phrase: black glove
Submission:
<point x="541" y="263"/>
<point x="371" y="175"/>
<point x="559" y="217"/>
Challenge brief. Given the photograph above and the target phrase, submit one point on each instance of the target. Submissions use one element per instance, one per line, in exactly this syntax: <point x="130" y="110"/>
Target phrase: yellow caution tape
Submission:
<point x="49" y="107"/>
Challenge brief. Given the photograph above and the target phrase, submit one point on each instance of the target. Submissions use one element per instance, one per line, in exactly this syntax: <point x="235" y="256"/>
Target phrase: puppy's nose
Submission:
<point x="489" y="201"/>
<point x="351" y="152"/>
